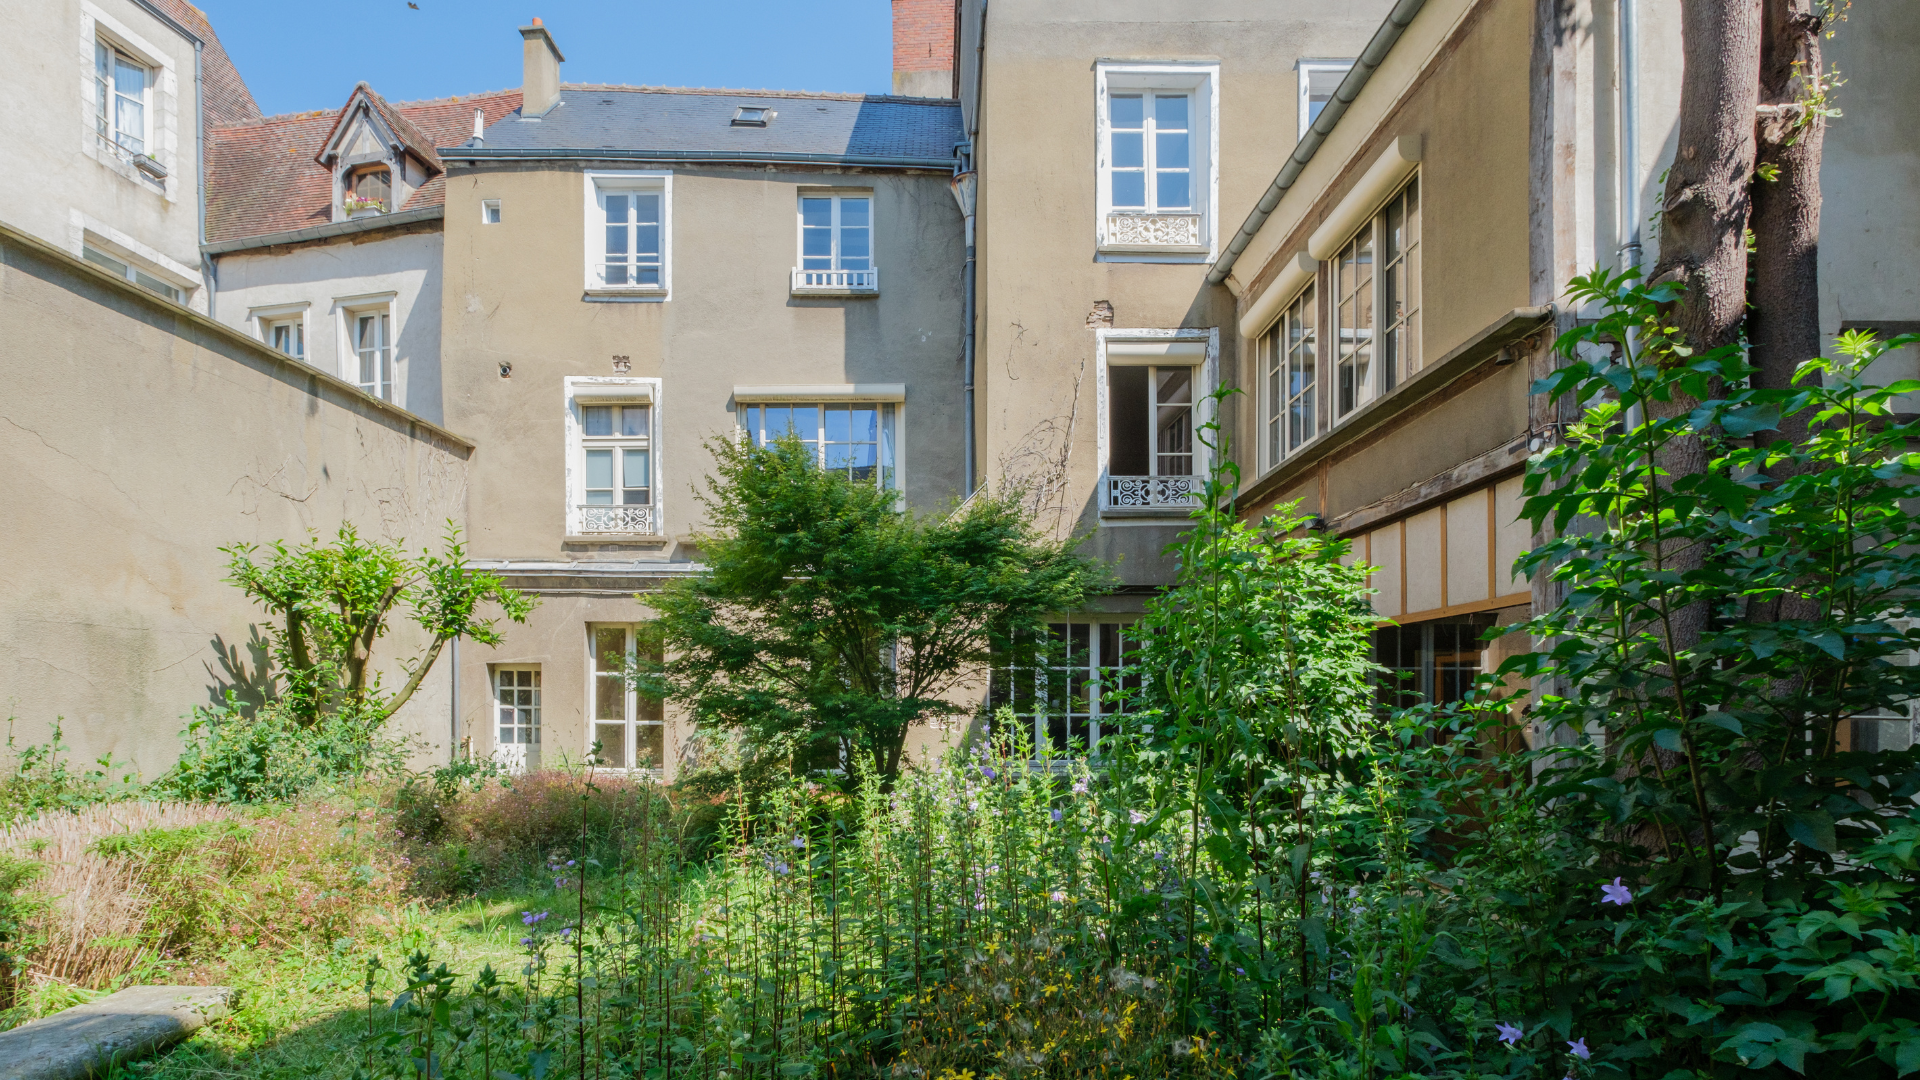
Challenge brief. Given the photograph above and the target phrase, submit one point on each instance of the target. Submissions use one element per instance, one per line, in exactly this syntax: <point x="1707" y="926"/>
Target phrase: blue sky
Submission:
<point x="306" y="55"/>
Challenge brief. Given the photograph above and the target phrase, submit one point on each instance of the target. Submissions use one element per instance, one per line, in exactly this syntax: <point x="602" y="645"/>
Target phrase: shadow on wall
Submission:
<point x="250" y="679"/>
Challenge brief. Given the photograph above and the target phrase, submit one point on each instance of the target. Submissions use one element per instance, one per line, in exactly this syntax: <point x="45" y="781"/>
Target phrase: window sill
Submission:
<point x="630" y="294"/>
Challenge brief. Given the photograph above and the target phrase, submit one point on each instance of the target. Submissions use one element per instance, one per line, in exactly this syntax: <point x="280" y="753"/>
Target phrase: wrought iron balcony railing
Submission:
<point x="1153" y="492"/>
<point x="599" y="519"/>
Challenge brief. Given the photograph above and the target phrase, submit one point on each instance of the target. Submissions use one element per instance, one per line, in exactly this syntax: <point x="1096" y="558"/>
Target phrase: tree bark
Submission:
<point x="1704" y="216"/>
<point x="1784" y="327"/>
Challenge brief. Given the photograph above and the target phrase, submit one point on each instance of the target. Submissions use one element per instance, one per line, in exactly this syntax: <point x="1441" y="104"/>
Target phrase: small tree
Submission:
<point x="335" y="600"/>
<point x="830" y="620"/>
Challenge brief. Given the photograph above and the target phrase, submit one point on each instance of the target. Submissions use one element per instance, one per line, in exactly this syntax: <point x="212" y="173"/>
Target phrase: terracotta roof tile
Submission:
<point x="262" y="177"/>
<point x="227" y="99"/>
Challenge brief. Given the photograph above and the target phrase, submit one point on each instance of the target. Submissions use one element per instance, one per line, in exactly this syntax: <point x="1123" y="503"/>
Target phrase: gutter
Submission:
<point x="327" y="231"/>
<point x="474" y="154"/>
<point x="199" y="136"/>
<point x="1357" y="77"/>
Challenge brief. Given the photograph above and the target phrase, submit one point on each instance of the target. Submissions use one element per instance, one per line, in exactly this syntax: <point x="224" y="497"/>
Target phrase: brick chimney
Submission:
<point x="923" y="50"/>
<point x="540" y="82"/>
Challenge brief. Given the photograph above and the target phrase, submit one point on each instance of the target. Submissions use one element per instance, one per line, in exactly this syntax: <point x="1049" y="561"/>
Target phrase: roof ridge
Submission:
<point x="453" y="98"/>
<point x="809" y="95"/>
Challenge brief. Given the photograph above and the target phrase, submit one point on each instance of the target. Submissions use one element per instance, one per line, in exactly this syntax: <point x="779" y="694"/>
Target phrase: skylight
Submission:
<point x="753" y="116"/>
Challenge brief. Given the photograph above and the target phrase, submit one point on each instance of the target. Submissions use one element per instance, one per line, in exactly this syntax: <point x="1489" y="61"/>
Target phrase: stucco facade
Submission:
<point x="77" y="188"/>
<point x="157" y="438"/>
<point x="528" y="335"/>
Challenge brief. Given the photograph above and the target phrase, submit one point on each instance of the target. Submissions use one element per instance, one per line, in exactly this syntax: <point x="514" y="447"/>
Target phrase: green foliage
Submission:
<point x="38" y="779"/>
<point x="240" y="754"/>
<point x="335" y="600"/>
<point x="829" y="621"/>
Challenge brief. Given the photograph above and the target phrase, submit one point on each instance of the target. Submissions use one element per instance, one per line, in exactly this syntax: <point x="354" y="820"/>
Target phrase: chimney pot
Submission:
<point x="536" y="20"/>
<point x="540" y="83"/>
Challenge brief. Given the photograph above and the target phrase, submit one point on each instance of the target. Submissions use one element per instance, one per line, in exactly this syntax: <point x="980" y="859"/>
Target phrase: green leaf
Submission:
<point x="1752" y="419"/>
<point x="1813" y="828"/>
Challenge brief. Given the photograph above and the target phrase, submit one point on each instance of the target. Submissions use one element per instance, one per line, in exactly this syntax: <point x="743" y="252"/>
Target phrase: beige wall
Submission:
<point x="61" y="186"/>
<point x="135" y="440"/>
<point x="514" y="296"/>
<point x="1040" y="274"/>
<point x="1870" y="174"/>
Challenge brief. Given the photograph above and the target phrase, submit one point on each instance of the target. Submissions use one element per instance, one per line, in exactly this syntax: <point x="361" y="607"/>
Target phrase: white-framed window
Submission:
<point x="370" y="347"/>
<point x="1153" y="400"/>
<point x="629" y="729"/>
<point x="122" y="88"/>
<point x="115" y="265"/>
<point x="613" y="469"/>
<point x="629" y="238"/>
<point x="836" y="242"/>
<point x="1318" y="80"/>
<point x="1289" y="359"/>
<point x="1063" y="689"/>
<point x="489" y="211"/>
<point x="516" y="713"/>
<point x="1376" y="303"/>
<point x="288" y="336"/>
<point x="856" y="439"/>
<point x="1157" y="128"/>
<point x="616" y="454"/>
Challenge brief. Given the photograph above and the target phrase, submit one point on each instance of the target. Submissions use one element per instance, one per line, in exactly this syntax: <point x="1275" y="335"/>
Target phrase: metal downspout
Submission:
<point x="965" y="188"/>
<point x="1363" y="68"/>
<point x="1630" y="254"/>
<point x="208" y="268"/>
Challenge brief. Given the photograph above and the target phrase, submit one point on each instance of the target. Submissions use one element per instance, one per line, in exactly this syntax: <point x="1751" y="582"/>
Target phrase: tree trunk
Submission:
<point x="1704" y="217"/>
<point x="419" y="675"/>
<point x="1784" y="327"/>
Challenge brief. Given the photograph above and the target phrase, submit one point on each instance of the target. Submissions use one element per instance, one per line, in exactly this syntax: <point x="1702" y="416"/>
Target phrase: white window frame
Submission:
<point x="108" y="93"/>
<point x="489" y="211"/>
<point x="1307" y="69"/>
<point x="520" y="754"/>
<point x="114" y="262"/>
<point x="264" y="320"/>
<point x="1275" y="351"/>
<point x="659" y="181"/>
<point x="1037" y="719"/>
<point x="1171" y="501"/>
<point x="835" y="278"/>
<point x="1383" y="372"/>
<point x="889" y="419"/>
<point x="580" y="391"/>
<point x="351" y="309"/>
<point x="631" y="720"/>
<point x="1129" y="236"/>
<point x="161" y="141"/>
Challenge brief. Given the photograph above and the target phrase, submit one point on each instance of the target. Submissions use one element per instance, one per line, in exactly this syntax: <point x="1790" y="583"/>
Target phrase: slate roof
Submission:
<point x="262" y="177"/>
<point x="671" y="122"/>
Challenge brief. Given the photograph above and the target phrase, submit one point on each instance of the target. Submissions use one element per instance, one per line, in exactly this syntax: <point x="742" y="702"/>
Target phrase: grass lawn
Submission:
<point x="302" y="1012"/>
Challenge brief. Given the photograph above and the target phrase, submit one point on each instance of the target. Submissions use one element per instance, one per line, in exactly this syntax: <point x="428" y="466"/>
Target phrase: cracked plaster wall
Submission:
<point x="135" y="441"/>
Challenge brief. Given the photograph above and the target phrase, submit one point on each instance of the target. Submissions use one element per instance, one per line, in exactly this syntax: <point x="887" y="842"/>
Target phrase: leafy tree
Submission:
<point x="336" y="601"/>
<point x="828" y="619"/>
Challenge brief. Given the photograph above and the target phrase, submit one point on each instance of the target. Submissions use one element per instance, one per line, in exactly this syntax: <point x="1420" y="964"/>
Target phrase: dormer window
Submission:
<point x="369" y="187"/>
<point x="753" y="116"/>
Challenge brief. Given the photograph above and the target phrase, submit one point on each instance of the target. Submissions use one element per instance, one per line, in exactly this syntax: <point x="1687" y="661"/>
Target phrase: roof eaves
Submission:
<point x="327" y="231"/>
<point x="703" y="156"/>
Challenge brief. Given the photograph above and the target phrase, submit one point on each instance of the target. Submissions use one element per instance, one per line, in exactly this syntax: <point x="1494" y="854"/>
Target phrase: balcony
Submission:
<point x="600" y="519"/>
<point x="836" y="282"/>
<point x="1153" y="492"/>
<point x="1154" y="232"/>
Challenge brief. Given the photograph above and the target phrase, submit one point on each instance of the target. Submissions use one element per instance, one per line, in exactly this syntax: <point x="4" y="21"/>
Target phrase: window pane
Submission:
<point x="839" y="423"/>
<point x="816" y="213"/>
<point x="1129" y="150"/>
<point x="854" y="251"/>
<point x="1128" y="421"/>
<point x="599" y="476"/>
<point x="633" y="421"/>
<point x="854" y="213"/>
<point x="616" y="240"/>
<point x="596" y="419"/>
<point x="155" y="285"/>
<point x="779" y="422"/>
<point x="613" y="745"/>
<point x="1171" y="192"/>
<point x="1170" y="112"/>
<point x="618" y="209"/>
<point x="806" y="423"/>
<point x="1170" y="150"/>
<point x="646" y="208"/>
<point x="101" y="259"/>
<point x="866" y="424"/>
<point x="649" y="746"/>
<point x="609" y="648"/>
<point x="1125" y="110"/>
<point x="1129" y="190"/>
<point x="646" y="240"/>
<point x="635" y="477"/>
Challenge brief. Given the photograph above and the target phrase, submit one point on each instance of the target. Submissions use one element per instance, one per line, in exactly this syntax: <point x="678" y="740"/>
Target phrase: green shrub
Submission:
<point x="39" y="779"/>
<point x="236" y="754"/>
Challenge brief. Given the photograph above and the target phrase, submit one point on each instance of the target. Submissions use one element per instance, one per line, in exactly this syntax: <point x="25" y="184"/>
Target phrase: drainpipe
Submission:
<point x="964" y="185"/>
<point x="1629" y="255"/>
<point x="208" y="269"/>
<point x="453" y="738"/>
